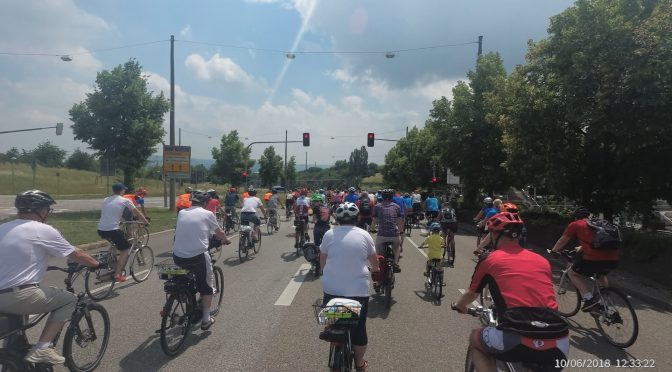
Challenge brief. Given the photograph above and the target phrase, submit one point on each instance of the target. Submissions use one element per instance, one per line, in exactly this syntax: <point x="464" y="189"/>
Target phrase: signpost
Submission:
<point x="177" y="161"/>
<point x="452" y="179"/>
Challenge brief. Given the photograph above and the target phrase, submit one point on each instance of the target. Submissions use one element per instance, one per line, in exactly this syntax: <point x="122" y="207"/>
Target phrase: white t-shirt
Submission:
<point x="251" y="204"/>
<point x="192" y="231"/>
<point x="346" y="271"/>
<point x="111" y="211"/>
<point x="25" y="247"/>
<point x="417" y="198"/>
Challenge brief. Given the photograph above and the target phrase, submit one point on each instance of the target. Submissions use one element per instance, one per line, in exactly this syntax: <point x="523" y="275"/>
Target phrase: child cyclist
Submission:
<point x="434" y="243"/>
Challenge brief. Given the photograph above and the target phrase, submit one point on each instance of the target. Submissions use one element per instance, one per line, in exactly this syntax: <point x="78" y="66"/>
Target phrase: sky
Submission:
<point x="232" y="72"/>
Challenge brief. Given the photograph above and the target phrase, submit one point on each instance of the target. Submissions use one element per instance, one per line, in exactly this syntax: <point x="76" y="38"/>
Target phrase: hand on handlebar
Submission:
<point x="101" y="265"/>
<point x="454" y="307"/>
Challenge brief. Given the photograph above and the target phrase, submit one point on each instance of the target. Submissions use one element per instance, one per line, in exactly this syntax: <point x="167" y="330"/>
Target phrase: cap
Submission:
<point x="118" y="186"/>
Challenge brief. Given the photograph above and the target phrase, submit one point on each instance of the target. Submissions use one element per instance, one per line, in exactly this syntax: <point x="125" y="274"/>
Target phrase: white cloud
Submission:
<point x="352" y="103"/>
<point x="222" y="69"/>
<point x="185" y="31"/>
<point x="301" y="96"/>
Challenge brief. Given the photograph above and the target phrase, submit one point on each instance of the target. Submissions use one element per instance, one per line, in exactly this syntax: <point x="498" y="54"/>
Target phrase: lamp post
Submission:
<point x="13" y="159"/>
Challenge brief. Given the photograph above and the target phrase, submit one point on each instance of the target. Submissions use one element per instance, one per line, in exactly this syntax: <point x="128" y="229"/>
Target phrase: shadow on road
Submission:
<point x="289" y="256"/>
<point x="377" y="307"/>
<point x="427" y="297"/>
<point x="235" y="261"/>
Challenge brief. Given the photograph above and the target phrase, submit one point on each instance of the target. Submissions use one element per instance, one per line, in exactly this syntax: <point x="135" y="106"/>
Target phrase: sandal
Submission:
<point x="363" y="367"/>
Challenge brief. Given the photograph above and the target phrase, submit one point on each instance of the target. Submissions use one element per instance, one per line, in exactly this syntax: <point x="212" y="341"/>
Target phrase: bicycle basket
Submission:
<point x="338" y="311"/>
<point x="168" y="270"/>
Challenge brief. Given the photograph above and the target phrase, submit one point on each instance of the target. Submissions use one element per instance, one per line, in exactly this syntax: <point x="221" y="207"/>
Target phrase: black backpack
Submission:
<point x="606" y="235"/>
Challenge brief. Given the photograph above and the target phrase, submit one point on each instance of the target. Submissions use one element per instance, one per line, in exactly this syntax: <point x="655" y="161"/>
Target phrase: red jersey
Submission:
<point x="579" y="229"/>
<point x="516" y="277"/>
<point x="212" y="205"/>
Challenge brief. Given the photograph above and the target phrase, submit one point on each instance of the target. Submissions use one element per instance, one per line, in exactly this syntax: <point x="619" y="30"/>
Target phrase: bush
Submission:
<point x="641" y="246"/>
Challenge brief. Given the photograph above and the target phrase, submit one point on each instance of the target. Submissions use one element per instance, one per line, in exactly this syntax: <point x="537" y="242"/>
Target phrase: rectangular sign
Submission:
<point x="177" y="161"/>
<point x="451" y="179"/>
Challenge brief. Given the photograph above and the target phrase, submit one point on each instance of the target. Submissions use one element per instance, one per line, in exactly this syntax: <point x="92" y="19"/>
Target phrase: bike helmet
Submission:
<point x="316" y="198"/>
<point x="505" y="222"/>
<point x="200" y="197"/>
<point x="352" y="190"/>
<point x="346" y="211"/>
<point x="252" y="192"/>
<point x="188" y="189"/>
<point x="274" y="191"/>
<point x="487" y="201"/>
<point x="435" y="227"/>
<point x="32" y="201"/>
<point x="212" y="193"/>
<point x="141" y="191"/>
<point x="232" y="189"/>
<point x="580" y="212"/>
<point x="510" y="207"/>
<point x="387" y="194"/>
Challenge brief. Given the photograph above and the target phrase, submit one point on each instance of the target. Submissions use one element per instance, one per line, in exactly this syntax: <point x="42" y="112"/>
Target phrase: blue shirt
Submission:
<point x="432" y="204"/>
<point x="489" y="212"/>
<point x="351" y="198"/>
<point x="398" y="200"/>
<point x="408" y="202"/>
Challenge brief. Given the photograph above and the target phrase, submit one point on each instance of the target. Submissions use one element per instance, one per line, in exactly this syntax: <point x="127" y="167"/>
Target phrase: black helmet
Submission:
<point x="200" y="197"/>
<point x="274" y="191"/>
<point x="387" y="194"/>
<point x="252" y="192"/>
<point x="32" y="201"/>
<point x="580" y="212"/>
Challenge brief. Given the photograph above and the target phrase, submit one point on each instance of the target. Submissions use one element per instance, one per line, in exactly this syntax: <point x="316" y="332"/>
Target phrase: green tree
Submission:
<point x="12" y="153"/>
<point x="410" y="163"/>
<point x="48" y="154"/>
<point x="81" y="160"/>
<point x="358" y="165"/>
<point x="290" y="172"/>
<point x="270" y="167"/>
<point x="372" y="169"/>
<point x="121" y="119"/>
<point x="230" y="159"/>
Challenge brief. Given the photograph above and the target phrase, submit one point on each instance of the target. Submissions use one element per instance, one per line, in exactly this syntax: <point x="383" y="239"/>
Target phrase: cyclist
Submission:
<point x="434" y="243"/>
<point x="321" y="219"/>
<point x="248" y="212"/>
<point x="138" y="199"/>
<point x="448" y="225"/>
<point x="26" y="244"/>
<point x="486" y="209"/>
<point x="408" y="207"/>
<point x="416" y="198"/>
<point x="512" y="208"/>
<point x="230" y="200"/>
<point x="431" y="208"/>
<point x="335" y="200"/>
<point x="352" y="196"/>
<point x="588" y="260"/>
<point x="289" y="204"/>
<point x="365" y="209"/>
<point x="301" y="206"/>
<point x="398" y="200"/>
<point x="194" y="227"/>
<point x="111" y="212"/>
<point x="213" y="204"/>
<point x="347" y="252"/>
<point x="387" y="219"/>
<point x="183" y="200"/>
<point x="273" y="203"/>
<point x="529" y="329"/>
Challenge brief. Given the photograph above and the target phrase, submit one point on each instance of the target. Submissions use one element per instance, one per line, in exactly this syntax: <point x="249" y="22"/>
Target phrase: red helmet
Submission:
<point x="510" y="207"/>
<point x="504" y="221"/>
<point x="232" y="189"/>
<point x="141" y="191"/>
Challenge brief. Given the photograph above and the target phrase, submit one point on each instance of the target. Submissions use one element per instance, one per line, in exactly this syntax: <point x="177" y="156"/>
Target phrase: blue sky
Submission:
<point x="259" y="93"/>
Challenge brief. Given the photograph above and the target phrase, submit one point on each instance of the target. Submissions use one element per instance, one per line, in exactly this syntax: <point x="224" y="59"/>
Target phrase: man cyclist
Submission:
<point x="138" y="199"/>
<point x="352" y="196"/>
<point x="529" y="328"/>
<point x="273" y="204"/>
<point x="417" y="202"/>
<point x="387" y="219"/>
<point x="184" y="200"/>
<point x="321" y="218"/>
<point x="588" y="261"/>
<point x="26" y="244"/>
<point x="365" y="206"/>
<point x="398" y="200"/>
<point x="448" y="225"/>
<point x="214" y="205"/>
<point x="111" y="212"/>
<point x="248" y="212"/>
<point x="289" y="204"/>
<point x="301" y="206"/>
<point x="194" y="227"/>
<point x="431" y="208"/>
<point x="408" y="208"/>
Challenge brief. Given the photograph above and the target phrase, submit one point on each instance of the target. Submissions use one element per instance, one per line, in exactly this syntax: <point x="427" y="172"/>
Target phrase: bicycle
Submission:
<point x="303" y="238"/>
<point x="181" y="310"/>
<point x="340" y="316"/>
<point x="449" y="247"/>
<point x="89" y="326"/>
<point x="99" y="282"/>
<point x="273" y="223"/>
<point x="136" y="231"/>
<point x="245" y="243"/>
<point x="408" y="223"/>
<point x="614" y="312"/>
<point x="232" y="221"/>
<point x="434" y="282"/>
<point x="385" y="287"/>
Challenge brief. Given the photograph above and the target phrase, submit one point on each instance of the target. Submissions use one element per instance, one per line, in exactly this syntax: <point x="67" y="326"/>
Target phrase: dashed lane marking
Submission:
<point x="416" y="246"/>
<point x="292" y="288"/>
<point x="475" y="303"/>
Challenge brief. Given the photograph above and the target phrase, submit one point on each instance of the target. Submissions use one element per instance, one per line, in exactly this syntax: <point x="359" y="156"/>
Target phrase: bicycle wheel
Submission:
<point x="389" y="275"/>
<point x="86" y="339"/>
<point x="347" y="358"/>
<point x="257" y="246"/>
<point x="335" y="356"/>
<point x="469" y="362"/>
<point x="566" y="294"/>
<point x="269" y="227"/>
<point x="175" y="324"/>
<point x="486" y="301"/>
<point x="617" y="319"/>
<point x="10" y="363"/>
<point x="143" y="235"/>
<point x="218" y="296"/>
<point x="142" y="263"/>
<point x="242" y="248"/>
<point x="98" y="283"/>
<point x="438" y="285"/>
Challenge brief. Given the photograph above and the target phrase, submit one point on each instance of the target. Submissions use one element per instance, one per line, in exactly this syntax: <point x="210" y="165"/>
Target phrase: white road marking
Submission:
<point x="292" y="288"/>
<point x="416" y="246"/>
<point x="475" y="303"/>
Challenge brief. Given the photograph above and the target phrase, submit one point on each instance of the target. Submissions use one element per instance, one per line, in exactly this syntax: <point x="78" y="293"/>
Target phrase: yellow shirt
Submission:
<point x="434" y="244"/>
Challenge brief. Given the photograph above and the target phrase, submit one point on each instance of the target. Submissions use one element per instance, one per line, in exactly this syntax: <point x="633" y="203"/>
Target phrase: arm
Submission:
<point x="323" y="260"/>
<point x="479" y="216"/>
<point x="485" y="242"/>
<point x="561" y="243"/>
<point x="467" y="298"/>
<point x="82" y="258"/>
<point x="221" y="235"/>
<point x="139" y="216"/>
<point x="373" y="262"/>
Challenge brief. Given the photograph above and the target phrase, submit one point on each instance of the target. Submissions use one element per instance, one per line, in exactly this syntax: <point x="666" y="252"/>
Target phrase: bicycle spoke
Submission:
<point x="86" y="339"/>
<point x="616" y="318"/>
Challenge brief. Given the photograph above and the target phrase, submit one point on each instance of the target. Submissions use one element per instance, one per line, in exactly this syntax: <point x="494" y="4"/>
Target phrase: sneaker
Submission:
<point x="396" y="269"/>
<point x="588" y="305"/>
<point x="451" y="263"/>
<point x="376" y="287"/>
<point x="119" y="278"/>
<point x="48" y="355"/>
<point x="206" y="325"/>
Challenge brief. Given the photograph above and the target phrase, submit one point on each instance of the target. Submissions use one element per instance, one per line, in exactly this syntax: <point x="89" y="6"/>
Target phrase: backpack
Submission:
<point x="365" y="206"/>
<point x="448" y="215"/>
<point x="606" y="235"/>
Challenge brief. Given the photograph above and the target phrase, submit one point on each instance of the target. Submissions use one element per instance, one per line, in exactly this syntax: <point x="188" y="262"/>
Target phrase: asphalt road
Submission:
<point x="252" y="333"/>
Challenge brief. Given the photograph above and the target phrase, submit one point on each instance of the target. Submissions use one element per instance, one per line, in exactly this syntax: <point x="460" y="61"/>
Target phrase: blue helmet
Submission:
<point x="435" y="227"/>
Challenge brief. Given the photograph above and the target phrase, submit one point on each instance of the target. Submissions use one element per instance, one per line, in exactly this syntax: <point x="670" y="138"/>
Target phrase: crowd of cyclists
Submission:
<point x="343" y="222"/>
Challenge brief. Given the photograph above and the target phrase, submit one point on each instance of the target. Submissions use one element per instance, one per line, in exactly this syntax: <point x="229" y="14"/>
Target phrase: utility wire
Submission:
<point x="83" y="53"/>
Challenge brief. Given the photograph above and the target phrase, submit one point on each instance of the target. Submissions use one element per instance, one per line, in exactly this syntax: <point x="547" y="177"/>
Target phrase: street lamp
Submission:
<point x="13" y="159"/>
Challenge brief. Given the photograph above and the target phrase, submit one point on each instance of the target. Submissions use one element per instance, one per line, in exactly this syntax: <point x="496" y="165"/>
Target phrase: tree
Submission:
<point x="290" y="172"/>
<point x="270" y="167"/>
<point x="230" y="159"/>
<point x="12" y="153"/>
<point x="121" y="119"/>
<point x="358" y="165"/>
<point x="81" y="160"/>
<point x="372" y="169"/>
<point x="48" y="155"/>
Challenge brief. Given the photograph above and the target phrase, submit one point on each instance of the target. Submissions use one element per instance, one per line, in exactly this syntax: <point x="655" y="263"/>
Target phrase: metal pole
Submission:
<point x="172" y="114"/>
<point x="107" y="172"/>
<point x="306" y="160"/>
<point x="34" y="167"/>
<point x="13" y="184"/>
<point x="285" y="168"/>
<point x="480" y="45"/>
<point x="179" y="136"/>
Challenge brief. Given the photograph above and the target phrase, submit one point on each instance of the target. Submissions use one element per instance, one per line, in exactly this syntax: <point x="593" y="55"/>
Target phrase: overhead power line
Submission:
<point x="83" y="53"/>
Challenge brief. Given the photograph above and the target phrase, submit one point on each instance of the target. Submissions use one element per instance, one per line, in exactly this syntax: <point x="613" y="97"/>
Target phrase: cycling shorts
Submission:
<point x="432" y="214"/>
<point x="247" y="217"/>
<point x="201" y="266"/>
<point x="117" y="237"/>
<point x="513" y="347"/>
<point x="381" y="240"/>
<point x="446" y="226"/>
<point x="298" y="224"/>
<point x="591" y="268"/>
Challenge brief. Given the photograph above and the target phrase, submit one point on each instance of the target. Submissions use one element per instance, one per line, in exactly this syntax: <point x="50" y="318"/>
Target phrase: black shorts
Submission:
<point x="300" y="226"/>
<point x="417" y="207"/>
<point x="117" y="237"/>
<point x="247" y="217"/>
<point x="452" y="226"/>
<point x="591" y="268"/>
<point x="359" y="336"/>
<point x="201" y="266"/>
<point x="432" y="214"/>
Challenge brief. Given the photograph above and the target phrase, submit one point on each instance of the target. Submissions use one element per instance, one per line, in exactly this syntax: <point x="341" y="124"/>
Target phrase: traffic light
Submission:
<point x="59" y="129"/>
<point x="244" y="173"/>
<point x="434" y="180"/>
<point x="370" y="138"/>
<point x="306" y="139"/>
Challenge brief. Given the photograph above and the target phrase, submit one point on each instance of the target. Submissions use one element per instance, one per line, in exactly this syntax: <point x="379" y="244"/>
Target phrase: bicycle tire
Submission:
<point x="269" y="227"/>
<point x="609" y="298"/>
<point x="218" y="296"/>
<point x="335" y="351"/>
<point x="257" y="246"/>
<point x="96" y="288"/>
<point x="142" y="263"/>
<point x="469" y="361"/>
<point x="9" y="363"/>
<point x="388" y="287"/>
<point x="242" y="248"/>
<point x="438" y="286"/>
<point x="176" y="313"/>
<point x="566" y="294"/>
<point x="347" y="358"/>
<point x="78" y="337"/>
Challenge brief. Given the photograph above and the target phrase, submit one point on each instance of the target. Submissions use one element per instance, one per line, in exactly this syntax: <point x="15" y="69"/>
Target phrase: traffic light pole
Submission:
<point x="254" y="143"/>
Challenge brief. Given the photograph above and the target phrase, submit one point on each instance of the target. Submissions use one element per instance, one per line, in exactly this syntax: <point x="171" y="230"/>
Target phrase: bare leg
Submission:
<point x="121" y="261"/>
<point x="50" y="331"/>
<point x="579" y="281"/>
<point x="359" y="355"/>
<point x="483" y="362"/>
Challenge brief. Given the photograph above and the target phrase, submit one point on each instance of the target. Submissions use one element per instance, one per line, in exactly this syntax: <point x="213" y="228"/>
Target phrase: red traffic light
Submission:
<point x="306" y="139"/>
<point x="434" y="180"/>
<point x="244" y="174"/>
<point x="370" y="139"/>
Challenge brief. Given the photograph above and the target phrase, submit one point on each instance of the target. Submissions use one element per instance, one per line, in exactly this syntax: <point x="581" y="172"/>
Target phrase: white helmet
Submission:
<point x="487" y="200"/>
<point x="346" y="211"/>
